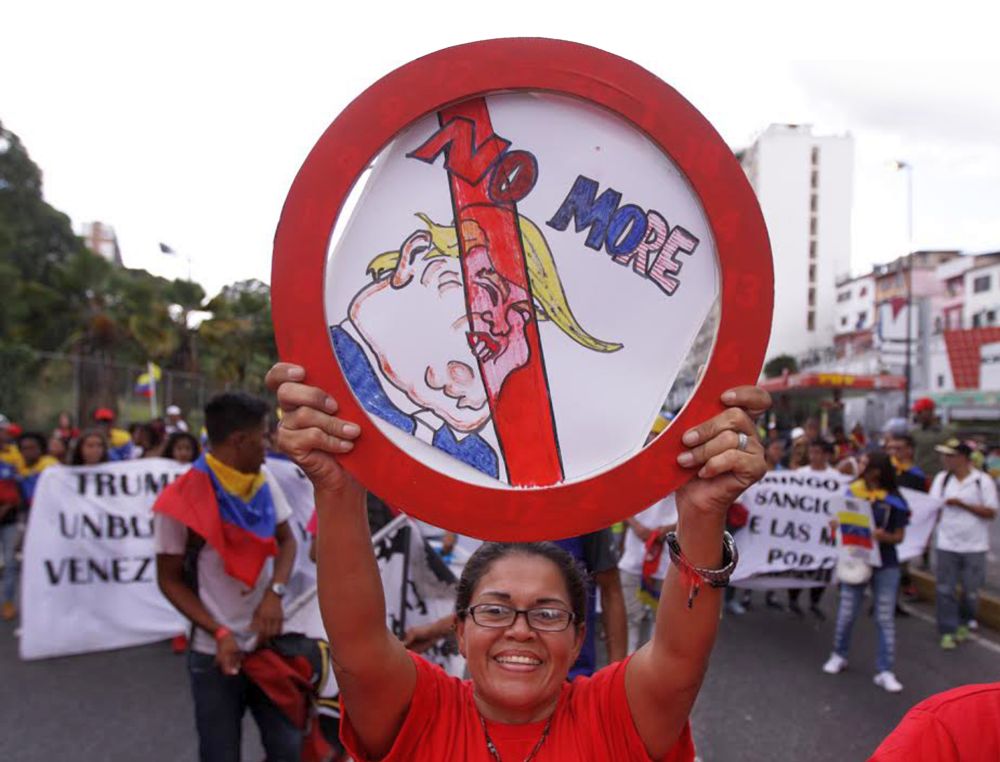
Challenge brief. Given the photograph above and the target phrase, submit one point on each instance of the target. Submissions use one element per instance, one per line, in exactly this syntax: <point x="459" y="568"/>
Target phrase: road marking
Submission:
<point x="987" y="644"/>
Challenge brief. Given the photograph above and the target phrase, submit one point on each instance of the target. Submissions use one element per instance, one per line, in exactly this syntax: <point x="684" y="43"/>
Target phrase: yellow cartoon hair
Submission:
<point x="546" y="288"/>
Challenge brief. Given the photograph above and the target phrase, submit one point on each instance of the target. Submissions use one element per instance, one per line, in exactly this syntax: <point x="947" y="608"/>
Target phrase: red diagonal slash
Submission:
<point x="503" y="329"/>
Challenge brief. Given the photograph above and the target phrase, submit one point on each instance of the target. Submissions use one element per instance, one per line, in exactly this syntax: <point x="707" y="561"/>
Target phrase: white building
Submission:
<point x="855" y="310"/>
<point x="982" y="295"/>
<point x="804" y="185"/>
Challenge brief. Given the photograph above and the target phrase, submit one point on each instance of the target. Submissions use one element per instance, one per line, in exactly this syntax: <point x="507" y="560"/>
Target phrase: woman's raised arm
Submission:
<point x="374" y="672"/>
<point x="663" y="678"/>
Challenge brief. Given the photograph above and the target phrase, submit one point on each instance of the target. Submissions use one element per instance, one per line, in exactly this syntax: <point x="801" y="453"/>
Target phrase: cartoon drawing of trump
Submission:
<point x="418" y="341"/>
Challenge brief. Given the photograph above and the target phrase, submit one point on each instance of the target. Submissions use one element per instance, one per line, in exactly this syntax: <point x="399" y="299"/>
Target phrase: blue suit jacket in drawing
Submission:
<point x="473" y="449"/>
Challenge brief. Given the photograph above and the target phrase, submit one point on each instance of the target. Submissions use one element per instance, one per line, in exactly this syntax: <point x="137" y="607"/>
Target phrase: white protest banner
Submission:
<point x="924" y="512"/>
<point x="89" y="570"/>
<point x="419" y="587"/>
<point x="788" y="530"/>
<point x="299" y="491"/>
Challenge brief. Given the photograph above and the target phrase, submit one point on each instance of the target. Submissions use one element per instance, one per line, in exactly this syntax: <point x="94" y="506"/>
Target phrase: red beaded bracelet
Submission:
<point x="222" y="632"/>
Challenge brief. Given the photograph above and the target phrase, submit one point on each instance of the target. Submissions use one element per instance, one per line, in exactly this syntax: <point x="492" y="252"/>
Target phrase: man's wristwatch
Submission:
<point x="279" y="589"/>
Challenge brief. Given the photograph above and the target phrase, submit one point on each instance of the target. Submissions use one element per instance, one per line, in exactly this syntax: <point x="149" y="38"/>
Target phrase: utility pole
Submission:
<point x="908" y="270"/>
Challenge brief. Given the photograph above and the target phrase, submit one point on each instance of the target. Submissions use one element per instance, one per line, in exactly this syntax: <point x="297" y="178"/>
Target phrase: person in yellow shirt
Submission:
<point x="33" y="461"/>
<point x="9" y="452"/>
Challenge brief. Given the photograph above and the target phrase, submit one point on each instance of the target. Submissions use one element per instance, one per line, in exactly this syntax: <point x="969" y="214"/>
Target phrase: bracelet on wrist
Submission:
<point x="693" y="575"/>
<point x="222" y="632"/>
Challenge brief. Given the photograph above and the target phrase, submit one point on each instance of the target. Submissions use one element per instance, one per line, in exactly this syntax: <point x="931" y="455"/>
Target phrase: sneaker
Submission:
<point x="772" y="603"/>
<point x="836" y="663"/>
<point x="735" y="607"/>
<point x="8" y="611"/>
<point x="888" y="682"/>
<point x="948" y="643"/>
<point x="961" y="634"/>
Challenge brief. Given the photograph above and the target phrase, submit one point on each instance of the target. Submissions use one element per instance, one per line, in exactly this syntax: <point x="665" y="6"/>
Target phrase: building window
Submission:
<point x="812" y="297"/>
<point x="938" y="325"/>
<point x="812" y="273"/>
<point x="843" y="321"/>
<point x="813" y="203"/>
<point x="815" y="156"/>
<point x="991" y="317"/>
<point x="861" y="321"/>
<point x="814" y="180"/>
<point x="976" y="321"/>
<point x="812" y="225"/>
<point x="811" y="321"/>
<point x="812" y="250"/>
<point x="843" y="296"/>
<point x="940" y="380"/>
<point x="981" y="284"/>
<point x="863" y="292"/>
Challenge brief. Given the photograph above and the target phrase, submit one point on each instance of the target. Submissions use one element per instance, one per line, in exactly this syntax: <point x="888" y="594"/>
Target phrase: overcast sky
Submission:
<point x="186" y="122"/>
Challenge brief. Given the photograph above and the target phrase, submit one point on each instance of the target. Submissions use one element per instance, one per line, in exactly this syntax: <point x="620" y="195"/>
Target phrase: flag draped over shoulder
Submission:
<point x="234" y="513"/>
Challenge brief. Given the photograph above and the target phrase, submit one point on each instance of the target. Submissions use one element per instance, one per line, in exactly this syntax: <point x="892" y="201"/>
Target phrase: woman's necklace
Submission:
<point x="491" y="747"/>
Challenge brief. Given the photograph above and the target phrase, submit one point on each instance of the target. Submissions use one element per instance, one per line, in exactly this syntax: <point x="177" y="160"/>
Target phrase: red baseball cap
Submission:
<point x="104" y="414"/>
<point x="14" y="430"/>
<point x="922" y="404"/>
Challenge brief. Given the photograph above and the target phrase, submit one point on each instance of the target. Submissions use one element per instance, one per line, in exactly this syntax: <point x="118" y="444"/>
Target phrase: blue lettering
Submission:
<point x="586" y="209"/>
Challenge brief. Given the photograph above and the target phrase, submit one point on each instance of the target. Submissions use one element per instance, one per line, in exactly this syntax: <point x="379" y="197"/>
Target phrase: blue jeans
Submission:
<point x="952" y="569"/>
<point x="8" y="545"/>
<point x="885" y="583"/>
<point x="219" y="704"/>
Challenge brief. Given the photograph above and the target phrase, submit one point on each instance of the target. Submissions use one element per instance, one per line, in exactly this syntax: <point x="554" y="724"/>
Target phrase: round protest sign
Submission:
<point x="496" y="259"/>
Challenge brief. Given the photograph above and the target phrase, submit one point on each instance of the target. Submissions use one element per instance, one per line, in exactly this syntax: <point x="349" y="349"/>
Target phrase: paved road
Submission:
<point x="764" y="699"/>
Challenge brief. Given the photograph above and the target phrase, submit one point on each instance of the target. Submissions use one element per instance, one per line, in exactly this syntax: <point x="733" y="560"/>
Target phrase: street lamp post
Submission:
<point x="908" y="168"/>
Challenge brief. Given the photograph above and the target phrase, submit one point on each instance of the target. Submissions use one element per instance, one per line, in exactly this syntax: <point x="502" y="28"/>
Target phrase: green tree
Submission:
<point x="238" y="342"/>
<point x="778" y="365"/>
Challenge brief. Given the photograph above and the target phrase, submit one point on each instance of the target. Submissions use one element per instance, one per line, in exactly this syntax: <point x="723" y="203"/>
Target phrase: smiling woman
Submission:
<point x="520" y="617"/>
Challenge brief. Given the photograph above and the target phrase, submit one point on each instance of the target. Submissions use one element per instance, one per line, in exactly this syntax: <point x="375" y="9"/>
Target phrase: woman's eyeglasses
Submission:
<point x="542" y="618"/>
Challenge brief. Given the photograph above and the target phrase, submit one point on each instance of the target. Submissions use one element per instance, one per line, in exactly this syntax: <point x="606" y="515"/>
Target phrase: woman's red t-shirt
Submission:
<point x="591" y="722"/>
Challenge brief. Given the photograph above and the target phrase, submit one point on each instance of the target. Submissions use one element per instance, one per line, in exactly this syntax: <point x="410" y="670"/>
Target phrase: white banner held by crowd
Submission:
<point x="924" y="512"/>
<point x="788" y="529"/>
<point x="89" y="569"/>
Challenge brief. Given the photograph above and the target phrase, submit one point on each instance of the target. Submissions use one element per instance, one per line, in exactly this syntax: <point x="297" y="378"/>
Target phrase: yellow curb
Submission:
<point x="989" y="605"/>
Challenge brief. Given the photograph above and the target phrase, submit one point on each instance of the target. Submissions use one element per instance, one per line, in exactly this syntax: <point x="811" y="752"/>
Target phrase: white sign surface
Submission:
<point x="89" y="570"/>
<point x="622" y="273"/>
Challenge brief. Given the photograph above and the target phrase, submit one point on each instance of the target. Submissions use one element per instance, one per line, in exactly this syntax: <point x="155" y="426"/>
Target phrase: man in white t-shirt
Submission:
<point x="216" y="530"/>
<point x="963" y="539"/>
<point x="663" y="516"/>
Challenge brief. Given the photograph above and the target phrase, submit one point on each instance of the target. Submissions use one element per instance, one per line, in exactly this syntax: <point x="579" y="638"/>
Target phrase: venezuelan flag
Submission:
<point x="232" y="511"/>
<point x="649" y="586"/>
<point x="145" y="384"/>
<point x="120" y="445"/>
<point x="855" y="529"/>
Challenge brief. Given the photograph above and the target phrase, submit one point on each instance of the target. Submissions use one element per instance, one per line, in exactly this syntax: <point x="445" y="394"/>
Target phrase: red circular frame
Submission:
<point x="426" y="85"/>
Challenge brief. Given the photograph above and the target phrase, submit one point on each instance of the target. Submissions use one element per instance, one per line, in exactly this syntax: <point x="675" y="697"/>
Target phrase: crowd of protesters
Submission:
<point x="25" y="454"/>
<point x="922" y="455"/>
<point x="623" y="577"/>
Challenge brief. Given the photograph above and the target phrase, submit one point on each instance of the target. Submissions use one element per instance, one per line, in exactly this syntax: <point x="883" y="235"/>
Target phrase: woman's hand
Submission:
<point x="309" y="432"/>
<point x="724" y="471"/>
